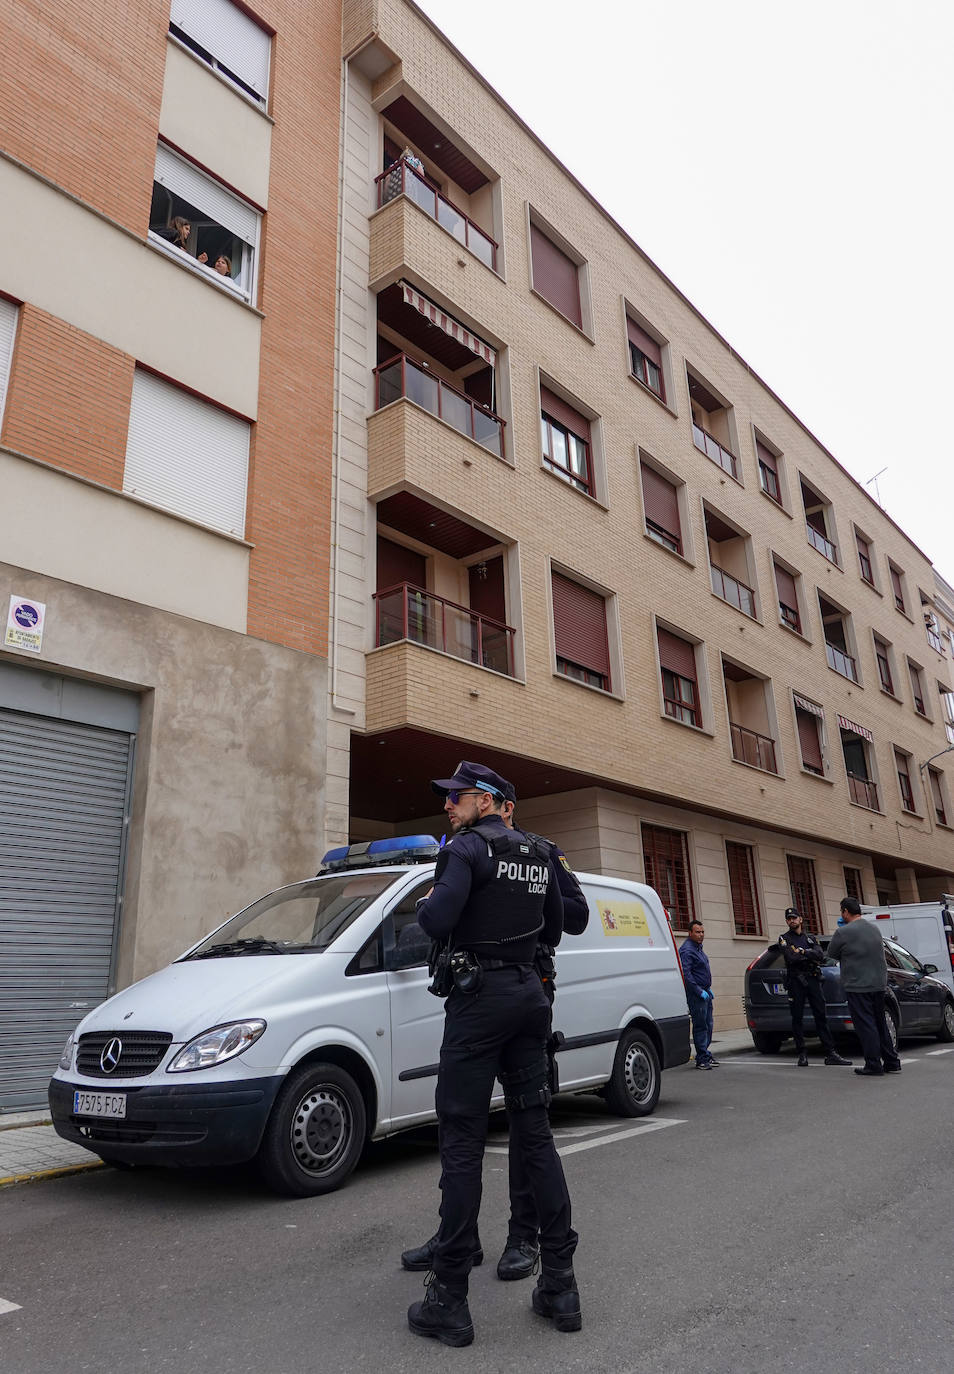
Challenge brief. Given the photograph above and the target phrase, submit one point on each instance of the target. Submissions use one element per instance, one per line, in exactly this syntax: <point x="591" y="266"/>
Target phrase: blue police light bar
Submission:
<point x="395" y="849"/>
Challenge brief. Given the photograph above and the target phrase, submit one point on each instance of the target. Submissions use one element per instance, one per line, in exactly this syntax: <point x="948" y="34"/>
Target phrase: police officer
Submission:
<point x="495" y="896"/>
<point x="804" y="957"/>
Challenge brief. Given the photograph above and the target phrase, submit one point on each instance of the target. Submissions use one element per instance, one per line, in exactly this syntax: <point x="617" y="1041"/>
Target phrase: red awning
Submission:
<point x="847" y="724"/>
<point x="448" y="324"/>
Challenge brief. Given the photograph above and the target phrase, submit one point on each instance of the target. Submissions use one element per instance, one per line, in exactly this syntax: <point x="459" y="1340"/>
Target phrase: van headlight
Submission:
<point x="66" y="1058"/>
<point x="216" y="1045"/>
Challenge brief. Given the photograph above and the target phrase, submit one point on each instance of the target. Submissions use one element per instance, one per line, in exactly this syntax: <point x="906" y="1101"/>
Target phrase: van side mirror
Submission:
<point x="929" y="968"/>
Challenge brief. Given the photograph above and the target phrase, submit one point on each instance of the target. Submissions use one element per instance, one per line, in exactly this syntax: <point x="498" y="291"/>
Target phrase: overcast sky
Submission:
<point x="789" y="167"/>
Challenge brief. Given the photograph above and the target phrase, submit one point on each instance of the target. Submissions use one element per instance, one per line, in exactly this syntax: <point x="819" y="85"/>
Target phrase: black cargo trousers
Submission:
<point x="802" y="988"/>
<point x="524" y="1224"/>
<point x="498" y="1033"/>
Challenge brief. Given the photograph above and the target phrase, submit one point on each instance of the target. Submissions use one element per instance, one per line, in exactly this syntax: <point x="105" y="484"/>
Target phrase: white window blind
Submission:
<point x="8" y="327"/>
<point x="185" y="180"/>
<point x="186" y="455"/>
<point x="234" y="40"/>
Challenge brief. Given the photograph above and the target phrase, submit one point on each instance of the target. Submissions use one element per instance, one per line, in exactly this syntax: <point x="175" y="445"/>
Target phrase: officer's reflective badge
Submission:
<point x="524" y="849"/>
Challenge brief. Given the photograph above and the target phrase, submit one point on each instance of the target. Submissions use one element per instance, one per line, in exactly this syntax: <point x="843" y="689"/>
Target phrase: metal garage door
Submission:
<point x="64" y="789"/>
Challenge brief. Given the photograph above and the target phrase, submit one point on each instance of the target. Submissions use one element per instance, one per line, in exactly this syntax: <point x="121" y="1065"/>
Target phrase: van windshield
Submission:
<point x="304" y="918"/>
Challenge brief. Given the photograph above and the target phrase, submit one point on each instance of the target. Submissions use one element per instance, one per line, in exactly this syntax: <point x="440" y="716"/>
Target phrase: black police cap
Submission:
<point x="474" y="775"/>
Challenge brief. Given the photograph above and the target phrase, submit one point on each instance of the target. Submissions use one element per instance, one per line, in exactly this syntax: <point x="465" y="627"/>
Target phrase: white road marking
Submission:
<point x="657" y="1124"/>
<point x="8" y="1306"/>
<point x="949" y="1050"/>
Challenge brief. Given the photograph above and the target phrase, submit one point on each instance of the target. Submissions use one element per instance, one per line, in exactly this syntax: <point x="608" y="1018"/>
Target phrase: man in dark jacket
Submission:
<point x="804" y="957"/>
<point x="522" y="1250"/>
<point x="697" y="976"/>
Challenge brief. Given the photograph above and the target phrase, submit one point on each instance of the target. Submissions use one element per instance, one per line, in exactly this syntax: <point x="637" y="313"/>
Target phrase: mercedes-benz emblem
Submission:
<point x="109" y="1059"/>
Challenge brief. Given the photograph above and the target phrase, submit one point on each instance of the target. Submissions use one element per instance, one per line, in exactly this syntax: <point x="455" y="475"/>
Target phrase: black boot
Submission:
<point x="421" y="1259"/>
<point x="556" y="1296"/>
<point x="833" y="1057"/>
<point x="518" y="1260"/>
<point x="802" y="1059"/>
<point x="443" y="1315"/>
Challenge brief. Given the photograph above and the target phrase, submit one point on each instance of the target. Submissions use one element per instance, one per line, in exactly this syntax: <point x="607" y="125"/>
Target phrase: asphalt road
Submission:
<point x="784" y="1220"/>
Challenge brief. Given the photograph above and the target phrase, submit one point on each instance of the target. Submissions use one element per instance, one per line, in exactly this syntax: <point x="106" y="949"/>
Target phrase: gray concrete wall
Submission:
<point x="229" y="783"/>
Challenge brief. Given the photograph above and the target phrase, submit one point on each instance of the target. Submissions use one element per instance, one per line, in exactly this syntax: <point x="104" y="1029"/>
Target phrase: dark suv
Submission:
<point x="917" y="1004"/>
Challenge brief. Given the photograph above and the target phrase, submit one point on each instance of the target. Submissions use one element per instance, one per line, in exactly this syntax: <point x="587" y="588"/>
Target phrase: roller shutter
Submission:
<point x="64" y="790"/>
<point x="231" y="38"/>
<point x="579" y="625"/>
<point x="555" y="276"/>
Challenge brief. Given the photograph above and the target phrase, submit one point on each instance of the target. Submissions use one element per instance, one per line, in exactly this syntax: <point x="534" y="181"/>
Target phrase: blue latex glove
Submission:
<point x="705" y="995"/>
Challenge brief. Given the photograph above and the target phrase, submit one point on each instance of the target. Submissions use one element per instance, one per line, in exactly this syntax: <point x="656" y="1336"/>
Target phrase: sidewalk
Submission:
<point x="30" y="1148"/>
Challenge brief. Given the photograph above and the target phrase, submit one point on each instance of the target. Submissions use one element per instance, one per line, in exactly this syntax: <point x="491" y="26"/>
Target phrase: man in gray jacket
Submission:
<point x="859" y="948"/>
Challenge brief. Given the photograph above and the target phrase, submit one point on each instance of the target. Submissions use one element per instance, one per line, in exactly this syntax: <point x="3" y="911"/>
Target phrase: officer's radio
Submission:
<point x="439" y="967"/>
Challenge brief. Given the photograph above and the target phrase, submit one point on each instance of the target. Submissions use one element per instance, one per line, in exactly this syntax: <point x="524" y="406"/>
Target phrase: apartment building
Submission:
<point x="169" y="182"/>
<point x="598" y="551"/>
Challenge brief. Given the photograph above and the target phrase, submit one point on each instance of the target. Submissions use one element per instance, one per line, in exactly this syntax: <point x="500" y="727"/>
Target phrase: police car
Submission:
<point x="303" y="1026"/>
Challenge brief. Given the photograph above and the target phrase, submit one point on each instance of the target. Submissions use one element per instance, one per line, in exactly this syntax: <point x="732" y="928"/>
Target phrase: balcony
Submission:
<point x="407" y="612"/>
<point x="711" y="447"/>
<point x="823" y="545"/>
<point x="401" y="376"/>
<point x="401" y="179"/>
<point x="841" y="662"/>
<point x="863" y="792"/>
<point x="730" y="589"/>
<point x="758" y="751"/>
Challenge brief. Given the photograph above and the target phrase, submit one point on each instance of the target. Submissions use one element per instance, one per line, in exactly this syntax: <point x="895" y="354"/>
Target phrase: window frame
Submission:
<point x="536" y="223"/>
<point x="684" y="858"/>
<point x="251" y="250"/>
<point x="193" y="44"/>
<point x="579" y="481"/>
<point x="918" y="693"/>
<point x="752" y="867"/>
<point x="866" y="559"/>
<point x="887" y="687"/>
<point x="821" y="735"/>
<point x="856" y="883"/>
<point x="702" y="705"/>
<point x="613" y="676"/>
<point x="9" y="328"/>
<point x="762" y="443"/>
<point x="685" y="551"/>
<point x="905" y="783"/>
<point x="811" y="909"/>
<point x="899" y="596"/>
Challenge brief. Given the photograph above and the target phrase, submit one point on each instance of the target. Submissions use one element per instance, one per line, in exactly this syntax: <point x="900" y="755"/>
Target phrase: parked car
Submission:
<point x="304" y="1026"/>
<point x="916" y="1002"/>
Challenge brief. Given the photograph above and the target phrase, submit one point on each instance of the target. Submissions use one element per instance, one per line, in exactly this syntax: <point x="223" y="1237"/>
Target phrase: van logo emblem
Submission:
<point x="109" y="1059"/>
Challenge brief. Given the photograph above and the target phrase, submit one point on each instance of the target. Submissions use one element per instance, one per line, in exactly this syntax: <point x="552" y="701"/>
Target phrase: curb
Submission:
<point x="35" y="1175"/>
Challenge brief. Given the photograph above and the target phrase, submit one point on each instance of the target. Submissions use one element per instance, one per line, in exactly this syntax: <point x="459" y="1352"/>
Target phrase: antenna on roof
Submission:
<point x="875" y="480"/>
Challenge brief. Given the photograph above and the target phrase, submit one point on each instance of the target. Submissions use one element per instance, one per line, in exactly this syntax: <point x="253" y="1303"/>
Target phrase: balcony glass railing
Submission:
<point x="732" y="590"/>
<point x="401" y="376"/>
<point x="823" y="545"/>
<point x="711" y="447"/>
<point x="752" y="748"/>
<point x="841" y="662"/>
<point x="408" y="612"/>
<point x="863" y="792"/>
<point x="403" y="180"/>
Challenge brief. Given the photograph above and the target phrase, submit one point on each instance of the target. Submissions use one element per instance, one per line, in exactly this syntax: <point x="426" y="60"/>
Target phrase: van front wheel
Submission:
<point x="633" y="1089"/>
<point x="315" y="1133"/>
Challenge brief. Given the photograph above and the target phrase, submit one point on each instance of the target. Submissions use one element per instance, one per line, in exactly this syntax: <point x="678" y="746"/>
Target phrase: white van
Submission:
<point x="303" y="1026"/>
<point x="924" y="928"/>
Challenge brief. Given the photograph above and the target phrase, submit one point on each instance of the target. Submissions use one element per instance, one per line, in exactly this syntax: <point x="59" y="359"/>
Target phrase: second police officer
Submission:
<point x="804" y="957"/>
<point x="495" y="897"/>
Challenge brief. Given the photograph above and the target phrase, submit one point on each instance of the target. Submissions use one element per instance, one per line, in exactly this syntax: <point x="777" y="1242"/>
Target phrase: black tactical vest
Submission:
<point x="504" y="913"/>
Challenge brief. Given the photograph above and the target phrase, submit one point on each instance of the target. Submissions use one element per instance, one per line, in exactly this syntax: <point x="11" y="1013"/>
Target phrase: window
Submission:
<point x="864" y="559"/>
<point x="713" y="425"/>
<point x="936" y="779"/>
<point x="853" y="884"/>
<point x="228" y="40"/>
<point x="680" y="688"/>
<point x="917" y="689"/>
<point x="836" y="626"/>
<point x="186" y="455"/>
<point x="857" y="747"/>
<point x="645" y="358"/>
<point x="787" y="598"/>
<point x="8" y="329"/>
<point x="579" y="632"/>
<point x="661" y="508"/>
<point x="809" y="722"/>
<point x="199" y="222"/>
<point x="555" y="275"/>
<point x="751" y="719"/>
<point x="801" y="880"/>
<point x="742" y="888"/>
<point x="947" y="710"/>
<point x="897" y="588"/>
<point x="730" y="566"/>
<point x="932" y="627"/>
<point x="883" y="659"/>
<point x="566" y="441"/>
<point x="819" y="522"/>
<point x="902" y="764"/>
<point x="769" y="479"/>
<point x="666" y="864"/>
